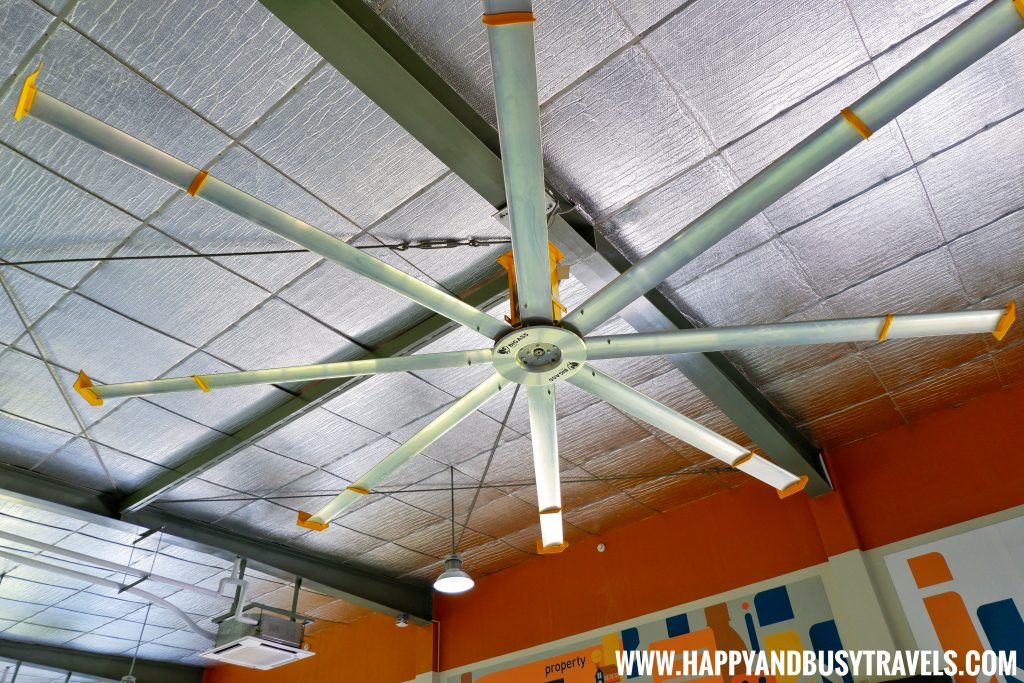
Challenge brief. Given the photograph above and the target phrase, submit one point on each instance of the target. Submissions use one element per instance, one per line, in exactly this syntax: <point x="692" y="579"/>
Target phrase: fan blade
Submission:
<point x="298" y="373"/>
<point x="631" y="401"/>
<point x="544" y="436"/>
<point x="996" y="322"/>
<point x="200" y="184"/>
<point x="964" y="45"/>
<point x="513" y="64"/>
<point x="438" y="427"/>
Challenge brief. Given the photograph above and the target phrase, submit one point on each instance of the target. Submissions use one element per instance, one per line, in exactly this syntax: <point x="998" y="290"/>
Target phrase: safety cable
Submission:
<point x="487" y="467"/>
<point x="405" y="245"/>
<point x="145" y="619"/>
<point x="447" y="489"/>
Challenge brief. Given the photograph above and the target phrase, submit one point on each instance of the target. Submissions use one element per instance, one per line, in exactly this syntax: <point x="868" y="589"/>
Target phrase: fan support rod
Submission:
<point x="963" y="46"/>
<point x="298" y="373"/>
<point x="702" y="340"/>
<point x="199" y="183"/>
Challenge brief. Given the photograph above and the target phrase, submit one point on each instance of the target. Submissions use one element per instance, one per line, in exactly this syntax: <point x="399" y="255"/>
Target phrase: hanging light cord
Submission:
<point x="452" y="472"/>
<point x="483" y="477"/>
<point x="145" y="619"/>
<point x="405" y="245"/>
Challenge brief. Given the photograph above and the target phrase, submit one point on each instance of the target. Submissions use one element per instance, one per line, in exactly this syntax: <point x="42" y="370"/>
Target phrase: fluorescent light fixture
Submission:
<point x="453" y="580"/>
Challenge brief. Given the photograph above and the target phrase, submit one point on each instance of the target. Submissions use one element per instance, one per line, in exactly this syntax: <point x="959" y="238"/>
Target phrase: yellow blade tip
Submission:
<point x="28" y="94"/>
<point x="551" y="549"/>
<point x="304" y="522"/>
<point x="83" y="386"/>
<point x="1004" y="324"/>
<point x="795" y="487"/>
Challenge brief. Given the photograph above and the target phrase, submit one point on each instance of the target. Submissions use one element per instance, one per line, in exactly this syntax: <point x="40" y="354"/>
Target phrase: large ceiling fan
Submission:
<point x="539" y="350"/>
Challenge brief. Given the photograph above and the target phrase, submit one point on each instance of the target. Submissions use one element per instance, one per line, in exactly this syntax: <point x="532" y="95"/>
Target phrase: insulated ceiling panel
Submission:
<point x="880" y="157"/>
<point x="46" y="217"/>
<point x="26" y="443"/>
<point x="572" y="38"/>
<point x="447" y="209"/>
<point x="972" y="185"/>
<point x="991" y="261"/>
<point x="258" y="58"/>
<point x="34" y="296"/>
<point x="861" y="230"/>
<point x="149" y="432"/>
<point x="276" y="335"/>
<point x="344" y="300"/>
<point x="94" y="80"/>
<point x="77" y="462"/>
<point x="210" y="229"/>
<point x="172" y="290"/>
<point x="335" y="142"/>
<point x="257" y="470"/>
<point x="318" y="437"/>
<point x="789" y="49"/>
<point x="618" y="133"/>
<point x="759" y="286"/>
<point x="885" y="23"/>
<point x="388" y="402"/>
<point x="126" y="351"/>
<point x="29" y="392"/>
<point x="640" y="227"/>
<point x="986" y="92"/>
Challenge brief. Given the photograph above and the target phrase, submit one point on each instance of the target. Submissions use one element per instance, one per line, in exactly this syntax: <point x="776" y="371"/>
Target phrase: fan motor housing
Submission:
<point x="539" y="355"/>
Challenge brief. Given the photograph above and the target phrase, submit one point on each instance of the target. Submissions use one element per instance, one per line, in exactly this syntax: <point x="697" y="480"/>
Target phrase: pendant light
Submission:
<point x="453" y="580"/>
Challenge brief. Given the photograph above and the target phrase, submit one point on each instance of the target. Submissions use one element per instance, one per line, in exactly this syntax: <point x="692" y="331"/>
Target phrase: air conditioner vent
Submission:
<point x="269" y="644"/>
<point x="255" y="653"/>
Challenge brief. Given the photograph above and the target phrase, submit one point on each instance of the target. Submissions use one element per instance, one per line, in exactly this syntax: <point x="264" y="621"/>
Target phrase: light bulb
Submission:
<point x="453" y="579"/>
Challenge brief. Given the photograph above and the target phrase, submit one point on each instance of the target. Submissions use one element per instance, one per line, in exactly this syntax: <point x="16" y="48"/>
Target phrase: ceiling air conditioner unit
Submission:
<point x="268" y="644"/>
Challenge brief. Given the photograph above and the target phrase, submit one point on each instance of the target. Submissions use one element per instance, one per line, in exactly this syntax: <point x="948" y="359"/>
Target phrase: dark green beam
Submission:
<point x="100" y="665"/>
<point x="305" y="399"/>
<point x="321" y="573"/>
<point x="368" y="52"/>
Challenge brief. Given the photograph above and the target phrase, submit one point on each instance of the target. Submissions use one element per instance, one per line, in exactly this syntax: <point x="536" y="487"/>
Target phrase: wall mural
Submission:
<point x="966" y="592"/>
<point x="794" y="616"/>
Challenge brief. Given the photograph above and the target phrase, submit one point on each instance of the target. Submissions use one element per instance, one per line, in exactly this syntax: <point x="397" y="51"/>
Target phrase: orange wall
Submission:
<point x="728" y="540"/>
<point x="370" y="650"/>
<point x="949" y="467"/>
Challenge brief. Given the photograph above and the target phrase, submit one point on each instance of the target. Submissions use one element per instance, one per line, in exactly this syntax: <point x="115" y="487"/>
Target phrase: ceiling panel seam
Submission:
<point x="810" y="96"/>
<point x="30" y="54"/>
<point x="240" y="137"/>
<point x="325" y="390"/>
<point x="61" y="389"/>
<point x="699" y="120"/>
<point x="910" y="155"/>
<point x="909" y="169"/>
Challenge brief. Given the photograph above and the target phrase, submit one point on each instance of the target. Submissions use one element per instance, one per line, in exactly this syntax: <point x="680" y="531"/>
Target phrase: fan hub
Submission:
<point x="538" y="355"/>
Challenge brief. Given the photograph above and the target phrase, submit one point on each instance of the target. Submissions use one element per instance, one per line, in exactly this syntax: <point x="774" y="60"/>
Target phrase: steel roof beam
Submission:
<point x="106" y="666"/>
<point x="366" y="51"/>
<point x="322" y="574"/>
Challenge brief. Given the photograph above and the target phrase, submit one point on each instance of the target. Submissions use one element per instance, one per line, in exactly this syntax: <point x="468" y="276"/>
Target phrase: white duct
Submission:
<point x="97" y="581"/>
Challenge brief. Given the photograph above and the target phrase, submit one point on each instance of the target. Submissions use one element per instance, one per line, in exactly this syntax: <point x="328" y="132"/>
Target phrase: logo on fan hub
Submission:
<point x="507" y="348"/>
<point x="569" y="367"/>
